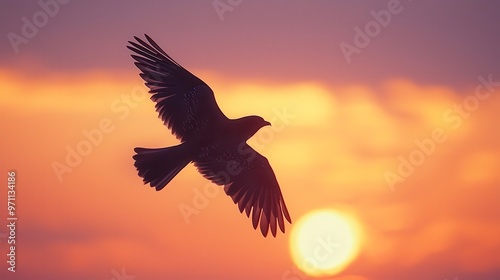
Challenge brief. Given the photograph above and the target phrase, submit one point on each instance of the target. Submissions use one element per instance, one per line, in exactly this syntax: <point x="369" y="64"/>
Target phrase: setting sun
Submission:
<point x="382" y="142"/>
<point x="324" y="242"/>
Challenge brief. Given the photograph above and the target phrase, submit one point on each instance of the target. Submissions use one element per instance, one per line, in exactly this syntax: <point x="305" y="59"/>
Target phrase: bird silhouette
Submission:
<point x="214" y="143"/>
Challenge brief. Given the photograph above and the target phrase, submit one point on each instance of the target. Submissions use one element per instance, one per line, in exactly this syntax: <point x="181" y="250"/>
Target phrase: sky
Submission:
<point x="384" y="110"/>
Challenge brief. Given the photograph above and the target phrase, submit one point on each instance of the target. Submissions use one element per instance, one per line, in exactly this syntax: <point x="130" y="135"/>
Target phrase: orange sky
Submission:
<point x="401" y="135"/>
<point x="334" y="150"/>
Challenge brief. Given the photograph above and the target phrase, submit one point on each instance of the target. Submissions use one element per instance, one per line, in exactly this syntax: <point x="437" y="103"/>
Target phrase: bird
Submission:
<point x="214" y="143"/>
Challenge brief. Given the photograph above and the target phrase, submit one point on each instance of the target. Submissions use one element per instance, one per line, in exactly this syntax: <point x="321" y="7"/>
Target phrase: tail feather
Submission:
<point x="159" y="166"/>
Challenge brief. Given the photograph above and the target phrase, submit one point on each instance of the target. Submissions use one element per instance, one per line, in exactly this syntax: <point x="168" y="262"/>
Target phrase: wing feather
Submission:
<point x="184" y="103"/>
<point x="255" y="189"/>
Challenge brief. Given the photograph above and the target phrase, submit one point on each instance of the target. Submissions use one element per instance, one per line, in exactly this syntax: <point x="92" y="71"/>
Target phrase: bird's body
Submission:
<point x="214" y="143"/>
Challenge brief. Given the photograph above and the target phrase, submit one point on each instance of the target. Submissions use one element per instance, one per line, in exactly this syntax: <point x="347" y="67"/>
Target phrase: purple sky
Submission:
<point x="288" y="42"/>
<point x="431" y="42"/>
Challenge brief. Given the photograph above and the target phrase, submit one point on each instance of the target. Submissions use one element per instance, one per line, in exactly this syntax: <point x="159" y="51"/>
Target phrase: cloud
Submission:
<point x="335" y="149"/>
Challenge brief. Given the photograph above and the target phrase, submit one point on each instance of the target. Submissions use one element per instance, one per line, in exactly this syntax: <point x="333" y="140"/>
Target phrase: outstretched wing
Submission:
<point x="185" y="104"/>
<point x="250" y="181"/>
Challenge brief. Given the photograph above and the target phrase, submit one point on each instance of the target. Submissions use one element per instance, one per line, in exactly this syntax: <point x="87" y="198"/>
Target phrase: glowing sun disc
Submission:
<point x="323" y="242"/>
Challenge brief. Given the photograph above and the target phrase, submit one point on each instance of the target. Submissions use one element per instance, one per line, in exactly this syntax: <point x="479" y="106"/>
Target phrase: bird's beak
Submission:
<point x="268" y="123"/>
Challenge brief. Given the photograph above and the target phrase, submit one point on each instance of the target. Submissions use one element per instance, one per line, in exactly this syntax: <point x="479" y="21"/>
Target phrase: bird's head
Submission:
<point x="252" y="124"/>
